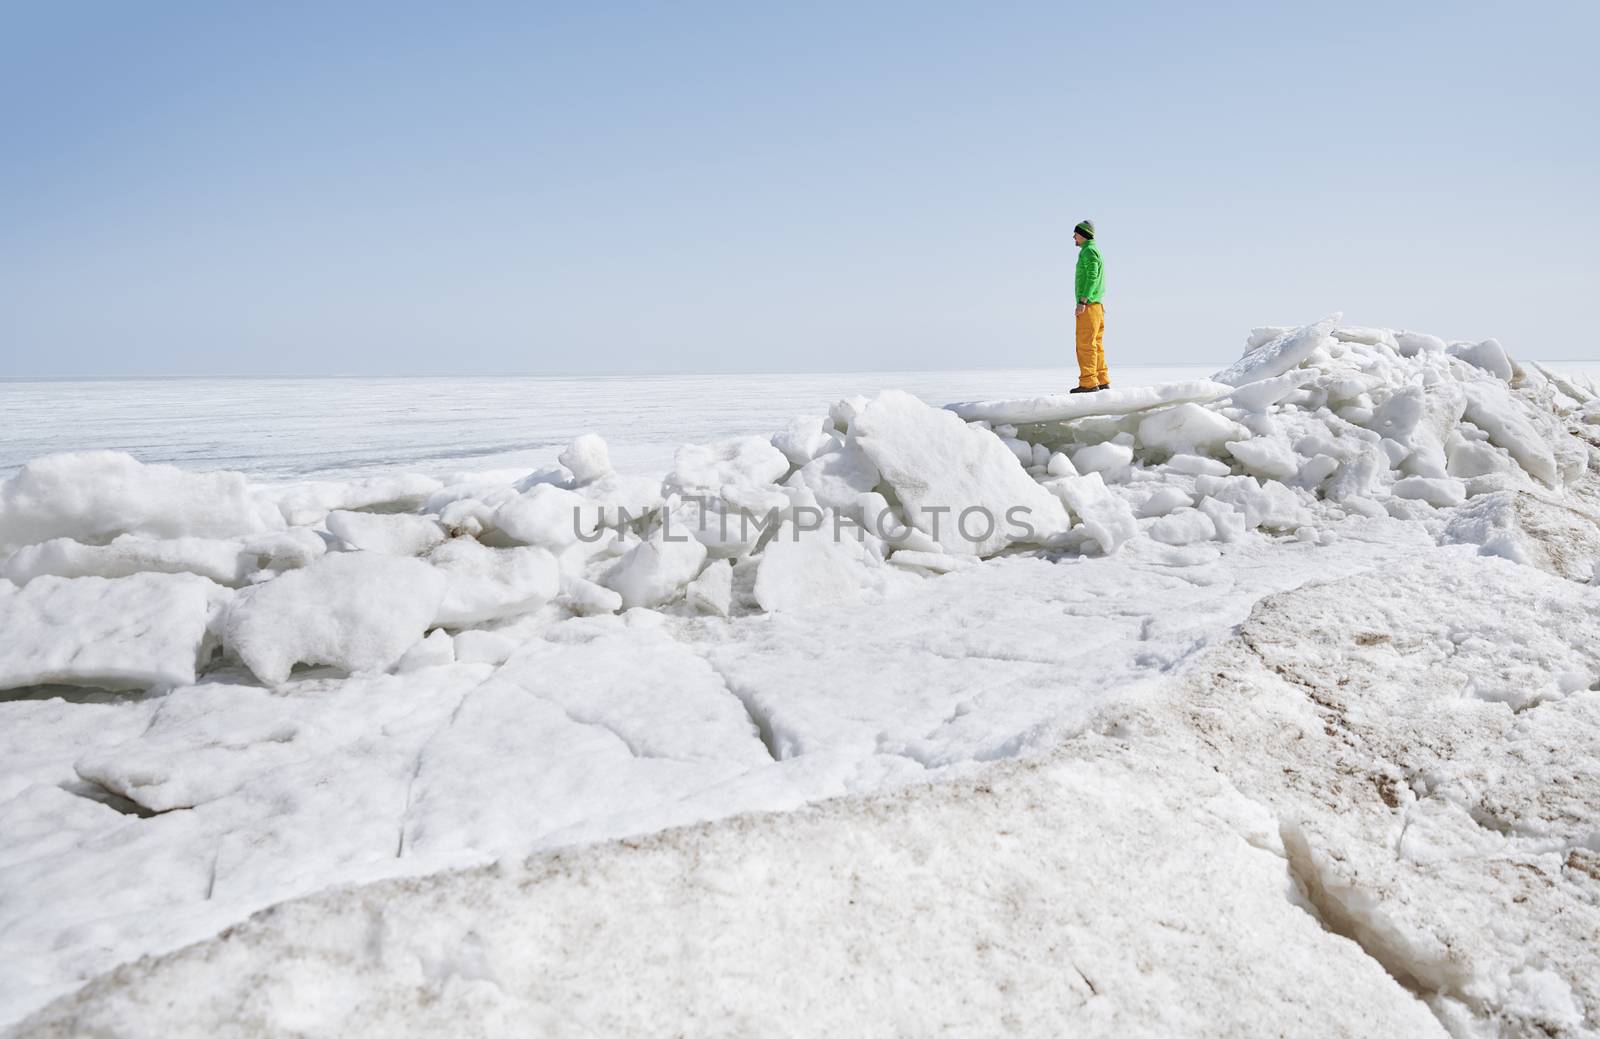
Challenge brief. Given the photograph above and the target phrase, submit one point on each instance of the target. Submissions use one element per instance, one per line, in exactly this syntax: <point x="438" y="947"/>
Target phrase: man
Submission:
<point x="1090" y="312"/>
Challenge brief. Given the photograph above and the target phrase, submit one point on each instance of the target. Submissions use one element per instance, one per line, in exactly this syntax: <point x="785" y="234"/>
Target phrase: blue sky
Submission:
<point x="298" y="188"/>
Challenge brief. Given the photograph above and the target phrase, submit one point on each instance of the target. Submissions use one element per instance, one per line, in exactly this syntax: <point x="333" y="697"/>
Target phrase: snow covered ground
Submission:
<point x="1262" y="700"/>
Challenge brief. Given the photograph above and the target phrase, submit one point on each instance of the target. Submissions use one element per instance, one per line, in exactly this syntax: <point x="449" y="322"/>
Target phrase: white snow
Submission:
<point x="800" y="570"/>
<point x="1488" y="355"/>
<point x="1183" y="527"/>
<point x="1266" y="457"/>
<point x="657" y="570"/>
<point x="549" y="516"/>
<point x="484" y="584"/>
<point x="1302" y="696"/>
<point x="587" y="459"/>
<point x="308" y="501"/>
<point x="147" y="630"/>
<point x="395" y="535"/>
<point x="804" y="438"/>
<point x="359" y="611"/>
<point x="1110" y="460"/>
<point x="1285" y="351"/>
<point x="1163" y="501"/>
<point x="1107" y="519"/>
<point x="97" y="495"/>
<point x="1189" y="429"/>
<point x="1439" y="492"/>
<point x="942" y="470"/>
<point x="230" y="561"/>
<point x="712" y="591"/>
<point x="736" y="462"/>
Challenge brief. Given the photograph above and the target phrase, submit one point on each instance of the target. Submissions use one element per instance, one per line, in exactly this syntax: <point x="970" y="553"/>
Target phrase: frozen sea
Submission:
<point x="329" y="428"/>
<point x="333" y="428"/>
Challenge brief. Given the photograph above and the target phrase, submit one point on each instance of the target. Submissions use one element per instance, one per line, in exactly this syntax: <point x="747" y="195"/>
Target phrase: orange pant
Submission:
<point x="1091" y="352"/>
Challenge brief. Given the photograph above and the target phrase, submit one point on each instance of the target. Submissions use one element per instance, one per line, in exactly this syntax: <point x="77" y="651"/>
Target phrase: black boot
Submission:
<point x="1083" y="389"/>
<point x="1103" y="386"/>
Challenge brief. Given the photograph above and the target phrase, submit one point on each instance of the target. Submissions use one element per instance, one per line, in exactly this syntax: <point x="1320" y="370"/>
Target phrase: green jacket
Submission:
<point x="1091" y="279"/>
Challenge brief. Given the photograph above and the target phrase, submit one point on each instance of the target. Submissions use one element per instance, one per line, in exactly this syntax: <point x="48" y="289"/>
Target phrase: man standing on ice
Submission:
<point x="1091" y="313"/>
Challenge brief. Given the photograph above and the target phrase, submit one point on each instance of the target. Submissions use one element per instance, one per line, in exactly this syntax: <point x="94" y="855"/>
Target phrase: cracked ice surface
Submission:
<point x="1293" y="729"/>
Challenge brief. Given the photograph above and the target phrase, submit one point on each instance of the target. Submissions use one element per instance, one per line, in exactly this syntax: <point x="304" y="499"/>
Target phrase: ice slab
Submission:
<point x="359" y="611"/>
<point x="1063" y="407"/>
<point x="135" y="632"/>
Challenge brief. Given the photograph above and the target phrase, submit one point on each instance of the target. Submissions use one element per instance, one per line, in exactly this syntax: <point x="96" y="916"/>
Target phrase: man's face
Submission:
<point x="1078" y="239"/>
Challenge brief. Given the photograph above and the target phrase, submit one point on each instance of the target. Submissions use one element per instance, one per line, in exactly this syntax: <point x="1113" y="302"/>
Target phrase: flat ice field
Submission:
<point x="1260" y="701"/>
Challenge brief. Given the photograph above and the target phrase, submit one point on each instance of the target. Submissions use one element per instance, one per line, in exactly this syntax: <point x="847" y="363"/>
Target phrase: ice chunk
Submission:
<point x="622" y="499"/>
<point x="1366" y="336"/>
<point x="129" y="633"/>
<point x="712" y="591"/>
<point x="839" y="479"/>
<point x="931" y="562"/>
<point x="484" y="647"/>
<point x="1163" y="501"/>
<point x="655" y="571"/>
<point x="708" y="468"/>
<point x="1468" y="459"/>
<point x="94" y="496"/>
<point x="484" y="584"/>
<point x="1411" y="344"/>
<point x="804" y="438"/>
<point x="1183" y="527"/>
<point x="435" y="650"/>
<point x="308" y="502"/>
<point x="1060" y="465"/>
<point x="1492" y="409"/>
<point x="1554" y="534"/>
<point x="1109" y="460"/>
<point x="725" y="530"/>
<point x="467" y="517"/>
<point x="217" y="560"/>
<point x="549" y="516"/>
<point x="1262" y="394"/>
<point x="586" y="458"/>
<point x="1196" y="465"/>
<point x="1106" y="518"/>
<point x="1418" y="419"/>
<point x="1228" y="521"/>
<point x="1021" y="448"/>
<point x="398" y="534"/>
<point x="1270" y="505"/>
<point x="800" y="570"/>
<point x="1488" y="355"/>
<point x="586" y="598"/>
<point x="359" y="611"/>
<point x="1287" y="351"/>
<point x="1188" y="429"/>
<point x="1266" y="456"/>
<point x="1360" y="475"/>
<point x="1064" y="406"/>
<point x="958" y="484"/>
<point x="1441" y="493"/>
<point x="1263" y="335"/>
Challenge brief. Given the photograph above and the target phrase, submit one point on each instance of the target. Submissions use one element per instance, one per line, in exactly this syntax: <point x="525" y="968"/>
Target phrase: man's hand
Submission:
<point x="1081" y="308"/>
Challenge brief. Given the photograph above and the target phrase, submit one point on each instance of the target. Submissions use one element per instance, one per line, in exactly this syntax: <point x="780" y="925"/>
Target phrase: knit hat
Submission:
<point x="1085" y="228"/>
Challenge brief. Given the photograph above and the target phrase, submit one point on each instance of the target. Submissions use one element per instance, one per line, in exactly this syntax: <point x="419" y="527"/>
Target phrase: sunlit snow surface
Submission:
<point x="275" y="429"/>
<point x="1287" y="726"/>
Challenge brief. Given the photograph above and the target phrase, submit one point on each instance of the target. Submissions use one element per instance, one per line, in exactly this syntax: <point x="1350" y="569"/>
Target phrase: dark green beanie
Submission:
<point x="1085" y="228"/>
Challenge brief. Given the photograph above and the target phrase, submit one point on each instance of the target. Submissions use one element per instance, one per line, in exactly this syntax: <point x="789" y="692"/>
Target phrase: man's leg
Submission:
<point x="1088" y="375"/>
<point x="1103" y="376"/>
